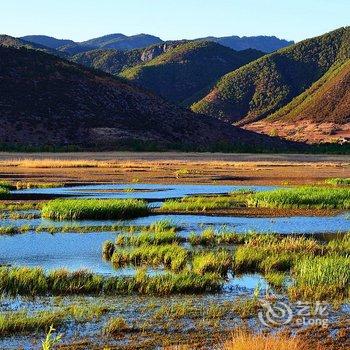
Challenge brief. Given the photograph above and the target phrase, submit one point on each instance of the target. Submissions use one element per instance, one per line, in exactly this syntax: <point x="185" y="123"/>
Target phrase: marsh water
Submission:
<point x="75" y="251"/>
<point x="83" y="250"/>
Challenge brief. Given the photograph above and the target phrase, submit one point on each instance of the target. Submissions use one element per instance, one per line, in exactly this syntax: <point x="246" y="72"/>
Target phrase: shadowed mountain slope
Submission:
<point x="9" y="41"/>
<point x="45" y="100"/>
<point x="185" y="72"/>
<point x="114" y="61"/>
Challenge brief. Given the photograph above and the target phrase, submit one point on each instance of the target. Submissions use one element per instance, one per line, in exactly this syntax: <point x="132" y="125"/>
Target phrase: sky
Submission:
<point x="173" y="19"/>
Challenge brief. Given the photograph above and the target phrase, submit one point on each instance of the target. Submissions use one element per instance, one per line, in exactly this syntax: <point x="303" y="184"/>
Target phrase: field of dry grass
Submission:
<point x="130" y="167"/>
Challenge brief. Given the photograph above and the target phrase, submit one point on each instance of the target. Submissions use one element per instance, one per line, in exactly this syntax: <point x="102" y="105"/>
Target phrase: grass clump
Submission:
<point x="21" y="322"/>
<point x="75" y="209"/>
<point x="162" y="226"/>
<point x="115" y="325"/>
<point x="13" y="230"/>
<point x="201" y="203"/>
<point x="183" y="282"/>
<point x="171" y="256"/>
<point x="210" y="237"/>
<point x="108" y="250"/>
<point x="7" y="186"/>
<point x="218" y="262"/>
<point x="275" y="279"/>
<point x="340" y="246"/>
<point x="4" y="193"/>
<point x="266" y="253"/>
<point x="242" y="340"/>
<point x="303" y="197"/>
<point x="156" y="238"/>
<point x="323" y="277"/>
<point x="14" y="322"/>
<point x="338" y="181"/>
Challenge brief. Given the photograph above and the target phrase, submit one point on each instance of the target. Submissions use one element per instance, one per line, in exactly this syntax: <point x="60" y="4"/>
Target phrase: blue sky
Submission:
<point x="173" y="19"/>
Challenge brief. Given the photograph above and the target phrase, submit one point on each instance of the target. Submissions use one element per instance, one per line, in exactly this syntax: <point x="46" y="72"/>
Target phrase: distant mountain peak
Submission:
<point x="47" y="41"/>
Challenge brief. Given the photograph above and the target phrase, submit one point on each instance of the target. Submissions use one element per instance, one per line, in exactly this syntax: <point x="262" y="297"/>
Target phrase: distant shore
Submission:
<point x="173" y="167"/>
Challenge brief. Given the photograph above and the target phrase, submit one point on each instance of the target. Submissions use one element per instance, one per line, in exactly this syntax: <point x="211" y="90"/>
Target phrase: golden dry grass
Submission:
<point x="172" y="168"/>
<point x="246" y="341"/>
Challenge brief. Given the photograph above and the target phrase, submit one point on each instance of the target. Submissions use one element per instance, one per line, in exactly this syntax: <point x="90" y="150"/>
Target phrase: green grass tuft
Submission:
<point x="303" y="197"/>
<point x="27" y="281"/>
<point x="338" y="181"/>
<point x="319" y="278"/>
<point x="75" y="209"/>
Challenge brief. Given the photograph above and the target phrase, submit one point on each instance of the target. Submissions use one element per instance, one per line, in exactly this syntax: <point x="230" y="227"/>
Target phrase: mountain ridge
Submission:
<point x="121" y="41"/>
<point x="260" y="88"/>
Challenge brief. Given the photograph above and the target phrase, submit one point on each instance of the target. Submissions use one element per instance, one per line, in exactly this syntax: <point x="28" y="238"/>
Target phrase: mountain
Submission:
<point x="75" y="48"/>
<point x="321" y="113"/>
<point x="184" y="72"/>
<point x="45" y="100"/>
<point x="262" y="43"/>
<point x="9" y="41"/>
<point x="262" y="87"/>
<point x="114" y="61"/>
<point x="47" y="41"/>
<point x="123" y="42"/>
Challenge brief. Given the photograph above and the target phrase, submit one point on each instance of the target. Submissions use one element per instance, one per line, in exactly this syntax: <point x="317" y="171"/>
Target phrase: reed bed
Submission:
<point x="78" y="209"/>
<point x="266" y="253"/>
<point x="302" y="197"/>
<point x="340" y="245"/>
<point x="326" y="277"/>
<point x="27" y="281"/>
<point x="291" y="198"/>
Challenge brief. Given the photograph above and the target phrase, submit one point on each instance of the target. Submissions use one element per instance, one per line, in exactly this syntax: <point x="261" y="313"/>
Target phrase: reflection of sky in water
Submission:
<point x="296" y="224"/>
<point x="154" y="191"/>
